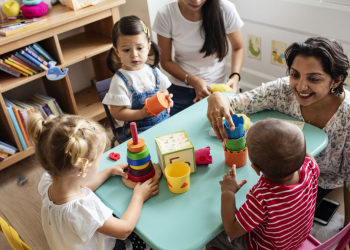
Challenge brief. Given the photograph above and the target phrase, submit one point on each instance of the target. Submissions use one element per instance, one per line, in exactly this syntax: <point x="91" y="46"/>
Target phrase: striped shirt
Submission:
<point x="278" y="216"/>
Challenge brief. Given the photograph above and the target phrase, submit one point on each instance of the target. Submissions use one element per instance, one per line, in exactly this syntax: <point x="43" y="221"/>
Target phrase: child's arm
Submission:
<point x="229" y="187"/>
<point x="122" y="228"/>
<point x="125" y="114"/>
<point x="108" y="172"/>
<point x="310" y="156"/>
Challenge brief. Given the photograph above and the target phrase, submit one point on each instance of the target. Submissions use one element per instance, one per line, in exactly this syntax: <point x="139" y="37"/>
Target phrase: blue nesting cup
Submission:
<point x="238" y="121"/>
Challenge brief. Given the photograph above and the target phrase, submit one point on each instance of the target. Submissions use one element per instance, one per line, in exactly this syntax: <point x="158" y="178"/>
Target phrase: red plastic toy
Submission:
<point x="114" y="156"/>
<point x="203" y="156"/>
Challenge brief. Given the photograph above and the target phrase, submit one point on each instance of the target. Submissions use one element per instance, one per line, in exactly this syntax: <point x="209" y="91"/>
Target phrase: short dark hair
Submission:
<point x="276" y="147"/>
<point x="129" y="26"/>
<point x="328" y="51"/>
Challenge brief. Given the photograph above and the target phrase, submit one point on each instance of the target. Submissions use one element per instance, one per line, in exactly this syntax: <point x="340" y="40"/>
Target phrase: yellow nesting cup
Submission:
<point x="178" y="177"/>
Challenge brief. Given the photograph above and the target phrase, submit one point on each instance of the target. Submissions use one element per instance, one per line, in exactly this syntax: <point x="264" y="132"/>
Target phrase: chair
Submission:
<point x="102" y="88"/>
<point x="343" y="237"/>
<point x="12" y="236"/>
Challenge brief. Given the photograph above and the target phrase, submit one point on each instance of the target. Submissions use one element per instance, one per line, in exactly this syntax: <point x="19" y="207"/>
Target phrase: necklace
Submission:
<point x="142" y="78"/>
<point x="317" y="115"/>
<point x="49" y="193"/>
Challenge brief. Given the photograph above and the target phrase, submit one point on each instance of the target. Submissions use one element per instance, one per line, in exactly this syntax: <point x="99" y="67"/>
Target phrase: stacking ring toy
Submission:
<point x="143" y="178"/>
<point x="143" y="172"/>
<point x="139" y="155"/>
<point x="139" y="162"/>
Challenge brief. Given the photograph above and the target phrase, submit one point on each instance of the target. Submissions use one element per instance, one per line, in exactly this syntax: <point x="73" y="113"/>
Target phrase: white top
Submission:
<point x="142" y="81"/>
<point x="188" y="41"/>
<point x="72" y="226"/>
<point x="334" y="160"/>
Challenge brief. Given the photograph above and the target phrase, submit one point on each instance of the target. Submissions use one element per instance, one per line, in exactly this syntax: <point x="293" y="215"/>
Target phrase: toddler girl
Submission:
<point x="70" y="149"/>
<point x="135" y="81"/>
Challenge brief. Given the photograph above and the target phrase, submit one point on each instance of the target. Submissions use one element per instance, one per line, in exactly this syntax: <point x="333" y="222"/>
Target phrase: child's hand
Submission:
<point x="229" y="184"/>
<point x="171" y="102"/>
<point x="144" y="112"/>
<point x="119" y="170"/>
<point x="146" y="190"/>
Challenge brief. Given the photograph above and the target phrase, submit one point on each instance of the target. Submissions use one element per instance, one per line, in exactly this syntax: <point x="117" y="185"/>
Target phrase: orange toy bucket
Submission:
<point x="156" y="104"/>
<point x="240" y="159"/>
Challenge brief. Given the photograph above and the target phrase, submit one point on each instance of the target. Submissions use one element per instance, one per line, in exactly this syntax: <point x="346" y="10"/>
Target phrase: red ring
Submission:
<point x="142" y="178"/>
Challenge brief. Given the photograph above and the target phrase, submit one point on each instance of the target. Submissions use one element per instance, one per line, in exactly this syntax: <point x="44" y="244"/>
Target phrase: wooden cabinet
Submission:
<point x="95" y="42"/>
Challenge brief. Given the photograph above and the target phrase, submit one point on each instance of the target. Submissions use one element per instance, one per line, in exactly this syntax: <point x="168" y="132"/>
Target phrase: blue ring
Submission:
<point x="30" y="3"/>
<point x="139" y="162"/>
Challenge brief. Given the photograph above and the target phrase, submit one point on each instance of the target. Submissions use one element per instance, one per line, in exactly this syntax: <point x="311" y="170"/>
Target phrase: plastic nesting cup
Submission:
<point x="238" y="158"/>
<point x="156" y="104"/>
<point x="178" y="177"/>
<point x="239" y="127"/>
<point x="236" y="144"/>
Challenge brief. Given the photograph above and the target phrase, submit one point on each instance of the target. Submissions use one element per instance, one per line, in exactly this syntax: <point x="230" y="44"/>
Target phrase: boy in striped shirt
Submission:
<point x="280" y="208"/>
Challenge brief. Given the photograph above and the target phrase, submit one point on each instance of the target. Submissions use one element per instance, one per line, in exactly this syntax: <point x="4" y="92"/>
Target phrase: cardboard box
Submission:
<point x="175" y="147"/>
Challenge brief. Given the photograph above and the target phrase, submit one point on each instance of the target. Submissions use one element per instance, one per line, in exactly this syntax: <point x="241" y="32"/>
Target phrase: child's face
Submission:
<point x="133" y="51"/>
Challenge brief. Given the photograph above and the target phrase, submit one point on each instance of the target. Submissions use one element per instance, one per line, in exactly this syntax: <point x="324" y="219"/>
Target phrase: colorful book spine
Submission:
<point x="43" y="105"/>
<point x="37" y="108"/>
<point x="24" y="63"/>
<point x="18" y="67"/>
<point x="33" y="60"/>
<point x="38" y="48"/>
<point x="24" y="116"/>
<point x="32" y="53"/>
<point x="14" y="150"/>
<point x="4" y="154"/>
<point x="6" y="150"/>
<point x="13" y="68"/>
<point x="2" y="158"/>
<point x="49" y="102"/>
<point x="15" y="111"/>
<point x="23" y="58"/>
<point x="58" y="107"/>
<point x="17" y="128"/>
<point x="9" y="71"/>
<point x="21" y="65"/>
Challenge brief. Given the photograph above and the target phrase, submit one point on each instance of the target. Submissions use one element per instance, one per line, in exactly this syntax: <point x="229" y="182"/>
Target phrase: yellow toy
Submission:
<point x="222" y="87"/>
<point x="11" y="9"/>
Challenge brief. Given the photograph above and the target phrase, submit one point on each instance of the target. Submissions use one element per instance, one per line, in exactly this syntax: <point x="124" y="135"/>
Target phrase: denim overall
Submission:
<point x="137" y="103"/>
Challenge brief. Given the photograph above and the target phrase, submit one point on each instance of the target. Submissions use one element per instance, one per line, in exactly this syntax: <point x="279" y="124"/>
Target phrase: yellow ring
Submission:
<point x="218" y="118"/>
<point x="140" y="167"/>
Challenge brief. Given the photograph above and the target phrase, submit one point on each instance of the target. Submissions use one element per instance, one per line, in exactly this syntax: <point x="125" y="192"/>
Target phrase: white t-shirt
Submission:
<point x="142" y="81"/>
<point x="72" y="226"/>
<point x="188" y="41"/>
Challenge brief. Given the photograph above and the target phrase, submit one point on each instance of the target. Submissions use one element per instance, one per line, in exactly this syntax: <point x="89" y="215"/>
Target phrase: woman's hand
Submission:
<point x="200" y="86"/>
<point x="218" y="107"/>
<point x="171" y="102"/>
<point x="233" y="83"/>
<point x="119" y="170"/>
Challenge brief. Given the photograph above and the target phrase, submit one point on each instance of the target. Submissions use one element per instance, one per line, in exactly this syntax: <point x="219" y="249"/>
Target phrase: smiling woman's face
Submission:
<point x="193" y="5"/>
<point x="308" y="81"/>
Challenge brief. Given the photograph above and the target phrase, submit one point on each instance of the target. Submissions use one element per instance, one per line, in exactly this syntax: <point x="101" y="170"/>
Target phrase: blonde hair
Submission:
<point x="66" y="142"/>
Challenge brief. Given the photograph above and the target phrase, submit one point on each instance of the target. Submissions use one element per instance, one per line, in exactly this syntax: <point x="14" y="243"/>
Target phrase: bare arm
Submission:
<point x="310" y="156"/>
<point x="124" y="114"/>
<point x="237" y="57"/>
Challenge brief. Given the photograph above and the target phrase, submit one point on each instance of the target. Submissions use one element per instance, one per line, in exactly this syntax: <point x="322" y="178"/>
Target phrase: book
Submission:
<point x="2" y="158"/>
<point x="21" y="65"/>
<point x="50" y="103"/>
<point x="24" y="63"/>
<point x="38" y="107"/>
<point x="9" y="71"/>
<point x="9" y="106"/>
<point x="29" y="109"/>
<point x="14" y="29"/>
<point x="4" y="154"/>
<point x="12" y="68"/>
<point x="43" y="105"/>
<point x="43" y="52"/>
<point x="23" y="58"/>
<point x="10" y="149"/>
<point x="17" y="114"/>
<point x="24" y="113"/>
<point x="18" y="67"/>
<point x="38" y="58"/>
<point x="36" y="62"/>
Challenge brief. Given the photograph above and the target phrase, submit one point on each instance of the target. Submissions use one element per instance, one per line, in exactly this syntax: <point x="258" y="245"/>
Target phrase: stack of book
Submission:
<point x="6" y="150"/>
<point x="26" y="61"/>
<point x="19" y="112"/>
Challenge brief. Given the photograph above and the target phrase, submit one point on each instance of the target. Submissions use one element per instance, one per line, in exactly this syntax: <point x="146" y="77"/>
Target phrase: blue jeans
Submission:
<point x="183" y="98"/>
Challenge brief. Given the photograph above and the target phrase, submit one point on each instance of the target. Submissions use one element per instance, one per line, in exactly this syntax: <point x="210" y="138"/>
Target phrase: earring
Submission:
<point x="332" y="90"/>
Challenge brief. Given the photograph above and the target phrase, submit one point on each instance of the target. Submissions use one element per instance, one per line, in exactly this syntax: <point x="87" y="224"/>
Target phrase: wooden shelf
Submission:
<point x="89" y="104"/>
<point x="82" y="46"/>
<point x="16" y="157"/>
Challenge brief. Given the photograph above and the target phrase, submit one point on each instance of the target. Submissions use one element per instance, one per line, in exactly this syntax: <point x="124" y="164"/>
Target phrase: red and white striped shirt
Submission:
<point x="278" y="216"/>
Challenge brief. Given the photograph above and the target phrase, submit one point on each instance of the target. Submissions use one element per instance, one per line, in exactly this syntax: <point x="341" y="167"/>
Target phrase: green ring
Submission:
<point x="138" y="156"/>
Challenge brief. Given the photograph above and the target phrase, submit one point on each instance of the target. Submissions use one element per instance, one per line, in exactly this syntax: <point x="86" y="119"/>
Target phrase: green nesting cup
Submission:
<point x="236" y="144"/>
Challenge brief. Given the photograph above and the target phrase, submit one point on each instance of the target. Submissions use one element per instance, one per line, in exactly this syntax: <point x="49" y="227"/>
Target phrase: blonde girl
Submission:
<point x="70" y="149"/>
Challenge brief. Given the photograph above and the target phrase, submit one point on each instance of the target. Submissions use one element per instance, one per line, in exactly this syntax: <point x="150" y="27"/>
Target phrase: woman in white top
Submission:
<point x="314" y="93"/>
<point x="198" y="30"/>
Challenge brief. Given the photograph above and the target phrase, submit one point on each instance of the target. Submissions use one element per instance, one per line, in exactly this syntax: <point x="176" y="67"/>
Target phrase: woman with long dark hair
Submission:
<point x="198" y="30"/>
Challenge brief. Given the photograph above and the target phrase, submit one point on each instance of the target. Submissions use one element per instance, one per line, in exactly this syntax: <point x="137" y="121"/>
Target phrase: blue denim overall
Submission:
<point x="137" y="103"/>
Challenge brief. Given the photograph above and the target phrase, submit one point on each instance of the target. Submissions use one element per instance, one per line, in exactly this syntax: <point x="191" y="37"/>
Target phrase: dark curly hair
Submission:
<point x="329" y="51"/>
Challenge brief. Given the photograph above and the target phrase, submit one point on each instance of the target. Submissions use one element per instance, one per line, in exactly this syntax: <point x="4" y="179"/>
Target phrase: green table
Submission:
<point x="189" y="220"/>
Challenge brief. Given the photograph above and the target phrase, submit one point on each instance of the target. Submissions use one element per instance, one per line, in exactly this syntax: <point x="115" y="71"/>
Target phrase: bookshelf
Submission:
<point x="97" y="22"/>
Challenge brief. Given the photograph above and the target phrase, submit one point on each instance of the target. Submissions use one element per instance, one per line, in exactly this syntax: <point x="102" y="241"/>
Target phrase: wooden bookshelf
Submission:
<point x="97" y="22"/>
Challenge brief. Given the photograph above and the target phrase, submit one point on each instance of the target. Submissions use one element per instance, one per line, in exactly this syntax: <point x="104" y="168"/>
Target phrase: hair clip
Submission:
<point x="44" y="122"/>
<point x="145" y="29"/>
<point x="91" y="125"/>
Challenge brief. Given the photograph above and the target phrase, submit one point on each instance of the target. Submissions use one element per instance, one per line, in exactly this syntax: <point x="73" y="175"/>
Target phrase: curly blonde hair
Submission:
<point x="66" y="142"/>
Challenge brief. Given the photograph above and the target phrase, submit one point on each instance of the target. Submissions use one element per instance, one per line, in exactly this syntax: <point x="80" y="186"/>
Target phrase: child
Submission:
<point x="70" y="149"/>
<point x="280" y="208"/>
<point x="135" y="81"/>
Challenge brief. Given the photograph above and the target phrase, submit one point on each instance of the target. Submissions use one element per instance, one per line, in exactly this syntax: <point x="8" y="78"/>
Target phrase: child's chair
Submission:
<point x="102" y="88"/>
<point x="12" y="236"/>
